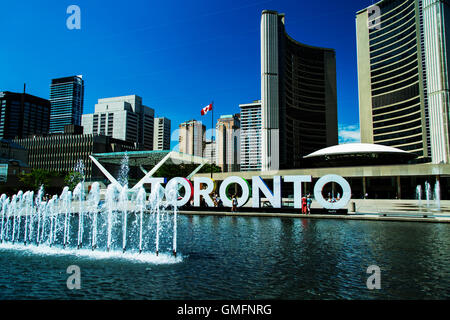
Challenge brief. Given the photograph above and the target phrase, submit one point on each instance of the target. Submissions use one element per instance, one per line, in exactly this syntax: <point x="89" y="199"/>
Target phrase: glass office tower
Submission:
<point x="66" y="97"/>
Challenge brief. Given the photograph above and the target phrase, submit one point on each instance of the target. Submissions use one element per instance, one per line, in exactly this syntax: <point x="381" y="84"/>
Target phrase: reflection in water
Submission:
<point x="255" y="258"/>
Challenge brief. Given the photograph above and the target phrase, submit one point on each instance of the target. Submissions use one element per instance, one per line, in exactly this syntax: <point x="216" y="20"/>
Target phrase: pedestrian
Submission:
<point x="234" y="203"/>
<point x="308" y="203"/>
<point x="304" y="209"/>
<point x="219" y="202"/>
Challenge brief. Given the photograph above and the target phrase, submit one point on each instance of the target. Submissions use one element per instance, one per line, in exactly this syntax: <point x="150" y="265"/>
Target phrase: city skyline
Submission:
<point x="205" y="50"/>
<point x="242" y="151"/>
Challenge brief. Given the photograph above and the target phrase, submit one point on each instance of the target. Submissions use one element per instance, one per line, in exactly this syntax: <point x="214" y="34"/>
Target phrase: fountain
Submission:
<point x="428" y="193"/>
<point x="127" y="224"/>
<point x="419" y="195"/>
<point x="140" y="201"/>
<point x="66" y="200"/>
<point x="94" y="200"/>
<point x="124" y="170"/>
<point x="155" y="204"/>
<point x="123" y="204"/>
<point x="437" y="195"/>
<point x="172" y="198"/>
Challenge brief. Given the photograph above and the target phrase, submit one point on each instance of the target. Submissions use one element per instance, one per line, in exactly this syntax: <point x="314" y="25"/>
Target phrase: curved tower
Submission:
<point x="401" y="73"/>
<point x="298" y="96"/>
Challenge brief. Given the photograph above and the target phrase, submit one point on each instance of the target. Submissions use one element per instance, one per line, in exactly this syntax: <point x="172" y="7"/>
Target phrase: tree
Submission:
<point x="207" y="169"/>
<point x="170" y="171"/>
<point x="72" y="179"/>
<point x="36" y="178"/>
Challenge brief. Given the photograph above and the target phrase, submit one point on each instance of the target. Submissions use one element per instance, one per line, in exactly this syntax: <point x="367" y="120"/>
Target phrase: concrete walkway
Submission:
<point x="369" y="217"/>
<point x="400" y="206"/>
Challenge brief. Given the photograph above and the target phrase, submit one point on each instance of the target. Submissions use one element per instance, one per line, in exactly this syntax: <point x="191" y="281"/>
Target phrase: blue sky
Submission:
<point x="177" y="55"/>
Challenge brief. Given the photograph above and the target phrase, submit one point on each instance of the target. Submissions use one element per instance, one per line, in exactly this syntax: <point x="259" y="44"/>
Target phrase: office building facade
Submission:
<point x="22" y="115"/>
<point x="161" y="135"/>
<point x="228" y="143"/>
<point x="13" y="161"/>
<point x="67" y="99"/>
<point x="250" y="136"/>
<point x="192" y="138"/>
<point x="298" y="96"/>
<point x="63" y="152"/>
<point x="403" y="76"/>
<point x="124" y="118"/>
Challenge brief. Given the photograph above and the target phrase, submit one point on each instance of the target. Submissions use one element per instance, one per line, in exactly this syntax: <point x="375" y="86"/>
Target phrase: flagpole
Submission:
<point x="212" y="136"/>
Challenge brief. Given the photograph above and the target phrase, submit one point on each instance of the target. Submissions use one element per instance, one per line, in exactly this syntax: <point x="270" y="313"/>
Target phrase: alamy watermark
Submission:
<point x="74" y="280"/>
<point x="374" y="281"/>
<point x="73" y="22"/>
<point x="374" y="19"/>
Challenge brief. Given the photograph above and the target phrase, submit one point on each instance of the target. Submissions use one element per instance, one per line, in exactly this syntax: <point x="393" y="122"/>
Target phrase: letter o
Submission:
<point x="346" y="190"/>
<point x="187" y="188"/>
<point x="245" y="191"/>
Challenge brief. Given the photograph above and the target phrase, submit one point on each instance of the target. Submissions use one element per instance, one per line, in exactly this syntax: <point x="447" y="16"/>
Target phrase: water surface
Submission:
<point x="249" y="258"/>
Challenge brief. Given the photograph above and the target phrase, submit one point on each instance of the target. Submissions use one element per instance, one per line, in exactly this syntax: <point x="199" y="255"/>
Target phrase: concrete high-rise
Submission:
<point x="161" y="136"/>
<point x="67" y="98"/>
<point x="250" y="135"/>
<point x="124" y="118"/>
<point x="403" y="76"/>
<point x="298" y="96"/>
<point x="192" y="138"/>
<point x="228" y="144"/>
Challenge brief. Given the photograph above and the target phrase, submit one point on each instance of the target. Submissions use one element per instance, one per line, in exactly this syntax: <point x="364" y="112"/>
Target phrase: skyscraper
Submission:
<point x="161" y="137"/>
<point x="250" y="135"/>
<point x="66" y="97"/>
<point x="403" y="76"/>
<point x="124" y="118"/>
<point x="22" y="115"/>
<point x="298" y="96"/>
<point x="192" y="138"/>
<point x="228" y="144"/>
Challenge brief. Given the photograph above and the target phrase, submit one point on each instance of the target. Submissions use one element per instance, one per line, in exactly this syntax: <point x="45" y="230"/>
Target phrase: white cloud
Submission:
<point x="349" y="134"/>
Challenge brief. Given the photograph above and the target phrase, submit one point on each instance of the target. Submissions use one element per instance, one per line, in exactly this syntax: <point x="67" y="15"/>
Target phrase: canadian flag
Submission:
<point x="206" y="109"/>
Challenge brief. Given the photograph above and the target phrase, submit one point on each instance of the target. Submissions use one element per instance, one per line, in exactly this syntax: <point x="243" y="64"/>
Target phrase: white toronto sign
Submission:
<point x="204" y="187"/>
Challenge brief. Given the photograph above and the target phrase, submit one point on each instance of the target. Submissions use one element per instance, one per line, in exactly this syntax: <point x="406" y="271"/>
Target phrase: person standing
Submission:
<point x="308" y="204"/>
<point x="215" y="200"/>
<point x="304" y="210"/>
<point x="234" y="203"/>
<point x="219" y="202"/>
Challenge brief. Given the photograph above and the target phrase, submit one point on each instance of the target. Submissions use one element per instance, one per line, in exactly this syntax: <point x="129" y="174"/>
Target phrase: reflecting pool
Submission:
<point x="246" y="258"/>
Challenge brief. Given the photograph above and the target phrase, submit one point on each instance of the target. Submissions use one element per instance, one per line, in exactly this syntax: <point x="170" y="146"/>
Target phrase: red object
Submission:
<point x="206" y="109"/>
<point x="304" y="206"/>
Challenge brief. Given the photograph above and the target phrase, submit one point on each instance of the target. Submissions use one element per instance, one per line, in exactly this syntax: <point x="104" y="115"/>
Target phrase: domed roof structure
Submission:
<point x="354" y="154"/>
